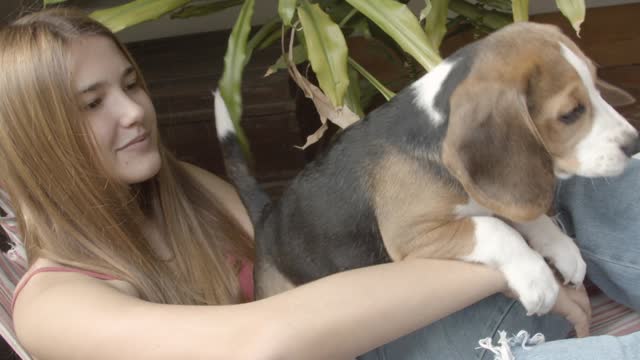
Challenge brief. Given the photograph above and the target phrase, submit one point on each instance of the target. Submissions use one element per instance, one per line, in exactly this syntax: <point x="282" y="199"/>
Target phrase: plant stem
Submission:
<point x="348" y="17"/>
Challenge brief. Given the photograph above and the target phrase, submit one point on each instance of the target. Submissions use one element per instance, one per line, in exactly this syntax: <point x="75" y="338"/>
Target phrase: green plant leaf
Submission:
<point x="205" y="9"/>
<point x="520" y="9"/>
<point x="51" y="2"/>
<point x="361" y="28"/>
<point x="338" y="10"/>
<point x="480" y="17"/>
<point x="397" y="20"/>
<point x="265" y="32"/>
<point x="574" y="10"/>
<point x="327" y="51"/>
<point x="436" y="21"/>
<point x="235" y="59"/>
<point x="270" y="39"/>
<point x="352" y="98"/>
<point x="286" y="9"/>
<point x="426" y="10"/>
<point x="388" y="94"/>
<point x="500" y="5"/>
<point x="135" y="12"/>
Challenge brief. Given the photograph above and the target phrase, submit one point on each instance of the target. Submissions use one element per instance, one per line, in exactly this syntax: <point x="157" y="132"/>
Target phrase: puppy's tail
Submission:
<point x="254" y="199"/>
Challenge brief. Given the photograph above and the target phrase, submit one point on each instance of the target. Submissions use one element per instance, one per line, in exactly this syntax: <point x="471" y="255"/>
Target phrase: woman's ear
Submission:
<point x="492" y="150"/>
<point x="614" y="95"/>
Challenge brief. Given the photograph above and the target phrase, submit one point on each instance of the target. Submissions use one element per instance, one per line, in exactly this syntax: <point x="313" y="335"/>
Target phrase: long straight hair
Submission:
<point x="70" y="211"/>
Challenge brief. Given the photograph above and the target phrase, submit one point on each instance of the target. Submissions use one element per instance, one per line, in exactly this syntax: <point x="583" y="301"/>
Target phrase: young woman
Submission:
<point x="135" y="255"/>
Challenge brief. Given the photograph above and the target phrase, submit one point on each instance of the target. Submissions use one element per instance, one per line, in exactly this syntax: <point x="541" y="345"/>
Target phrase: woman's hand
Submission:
<point x="573" y="303"/>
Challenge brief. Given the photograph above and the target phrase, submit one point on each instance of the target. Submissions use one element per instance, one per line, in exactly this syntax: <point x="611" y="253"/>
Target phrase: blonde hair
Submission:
<point x="70" y="212"/>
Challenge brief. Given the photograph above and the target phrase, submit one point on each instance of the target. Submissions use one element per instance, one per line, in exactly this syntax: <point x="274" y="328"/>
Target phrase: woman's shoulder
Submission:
<point x="45" y="274"/>
<point x="52" y="297"/>
<point x="223" y="191"/>
<point x="211" y="181"/>
<point x="43" y="263"/>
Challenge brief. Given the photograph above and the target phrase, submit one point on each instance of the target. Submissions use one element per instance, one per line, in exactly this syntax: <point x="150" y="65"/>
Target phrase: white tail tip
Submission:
<point x="224" y="125"/>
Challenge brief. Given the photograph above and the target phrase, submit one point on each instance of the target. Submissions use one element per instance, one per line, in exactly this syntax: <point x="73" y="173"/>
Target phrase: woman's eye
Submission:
<point x="93" y="104"/>
<point x="131" y="85"/>
<point x="573" y="115"/>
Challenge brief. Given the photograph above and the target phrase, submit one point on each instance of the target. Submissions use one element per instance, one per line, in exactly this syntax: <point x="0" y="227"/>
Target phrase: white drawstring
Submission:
<point x="502" y="350"/>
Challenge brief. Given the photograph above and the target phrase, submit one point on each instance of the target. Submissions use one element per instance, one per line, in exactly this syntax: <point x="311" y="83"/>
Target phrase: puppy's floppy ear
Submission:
<point x="492" y="150"/>
<point x="614" y="95"/>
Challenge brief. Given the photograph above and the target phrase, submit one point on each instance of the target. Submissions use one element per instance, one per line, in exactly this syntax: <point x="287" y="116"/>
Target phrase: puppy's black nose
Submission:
<point x="631" y="148"/>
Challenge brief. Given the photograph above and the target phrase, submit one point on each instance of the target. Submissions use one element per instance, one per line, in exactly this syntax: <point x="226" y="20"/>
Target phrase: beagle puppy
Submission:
<point x="460" y="165"/>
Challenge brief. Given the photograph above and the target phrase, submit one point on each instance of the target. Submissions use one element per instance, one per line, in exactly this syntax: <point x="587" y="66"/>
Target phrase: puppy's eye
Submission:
<point x="573" y="115"/>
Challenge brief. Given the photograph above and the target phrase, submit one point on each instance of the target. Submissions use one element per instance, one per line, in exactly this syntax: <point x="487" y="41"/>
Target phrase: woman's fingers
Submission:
<point x="582" y="299"/>
<point x="574" y="305"/>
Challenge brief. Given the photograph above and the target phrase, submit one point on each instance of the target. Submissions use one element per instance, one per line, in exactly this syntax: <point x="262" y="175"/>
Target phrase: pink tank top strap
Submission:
<point x="30" y="274"/>
<point x="245" y="277"/>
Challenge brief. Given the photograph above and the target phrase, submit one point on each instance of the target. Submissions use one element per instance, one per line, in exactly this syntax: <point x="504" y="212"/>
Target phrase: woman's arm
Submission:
<point x="71" y="316"/>
<point x="349" y="313"/>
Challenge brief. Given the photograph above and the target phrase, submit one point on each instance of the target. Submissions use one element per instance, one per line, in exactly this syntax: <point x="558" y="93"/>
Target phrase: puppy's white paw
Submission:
<point x="546" y="238"/>
<point x="565" y="256"/>
<point x="533" y="281"/>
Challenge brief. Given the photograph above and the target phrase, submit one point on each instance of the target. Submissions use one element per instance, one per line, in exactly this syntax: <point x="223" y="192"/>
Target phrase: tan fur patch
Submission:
<point x="551" y="84"/>
<point x="506" y="134"/>
<point x="491" y="150"/>
<point x="415" y="211"/>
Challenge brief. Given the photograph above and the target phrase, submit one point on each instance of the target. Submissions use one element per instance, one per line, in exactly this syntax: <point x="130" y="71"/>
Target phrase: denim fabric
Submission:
<point x="603" y="215"/>
<point x="604" y="347"/>
<point x="456" y="336"/>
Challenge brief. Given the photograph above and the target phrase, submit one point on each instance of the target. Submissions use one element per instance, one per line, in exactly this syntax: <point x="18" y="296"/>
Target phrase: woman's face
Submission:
<point x="118" y="111"/>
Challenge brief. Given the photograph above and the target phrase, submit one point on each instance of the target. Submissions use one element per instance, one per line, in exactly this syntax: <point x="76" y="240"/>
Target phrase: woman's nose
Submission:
<point x="131" y="112"/>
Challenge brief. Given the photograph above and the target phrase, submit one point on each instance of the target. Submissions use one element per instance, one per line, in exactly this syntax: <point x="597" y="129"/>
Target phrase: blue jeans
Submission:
<point x="603" y="215"/>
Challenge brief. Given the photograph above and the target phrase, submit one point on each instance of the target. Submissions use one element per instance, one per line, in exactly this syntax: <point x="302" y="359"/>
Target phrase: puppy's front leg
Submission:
<point x="546" y="238"/>
<point x="502" y="247"/>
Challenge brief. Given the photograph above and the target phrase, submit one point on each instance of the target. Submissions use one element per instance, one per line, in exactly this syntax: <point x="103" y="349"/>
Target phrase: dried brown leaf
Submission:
<point x="315" y="137"/>
<point x="341" y="116"/>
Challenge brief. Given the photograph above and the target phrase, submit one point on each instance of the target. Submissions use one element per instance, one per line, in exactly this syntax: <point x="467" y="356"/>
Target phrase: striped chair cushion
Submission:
<point x="13" y="265"/>
<point x="611" y="318"/>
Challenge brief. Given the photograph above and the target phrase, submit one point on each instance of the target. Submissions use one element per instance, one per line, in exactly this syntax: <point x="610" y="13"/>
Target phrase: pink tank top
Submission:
<point x="245" y="278"/>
